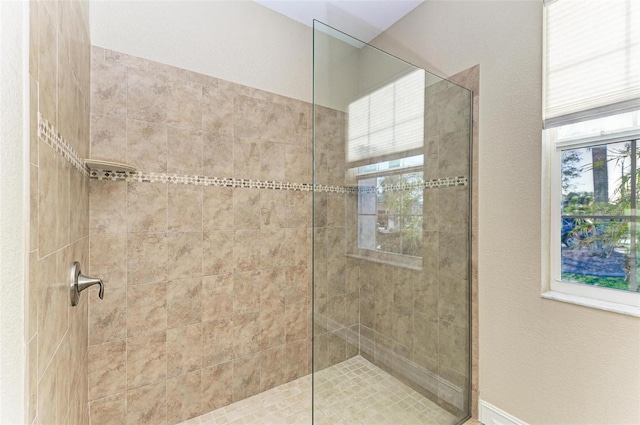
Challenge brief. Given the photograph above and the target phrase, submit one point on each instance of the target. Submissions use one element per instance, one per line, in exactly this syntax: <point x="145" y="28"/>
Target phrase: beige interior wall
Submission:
<point x="543" y="361"/>
<point x="238" y="41"/>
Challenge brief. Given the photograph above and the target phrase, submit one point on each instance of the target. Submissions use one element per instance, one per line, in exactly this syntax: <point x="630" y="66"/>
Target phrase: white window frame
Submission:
<point x="615" y="300"/>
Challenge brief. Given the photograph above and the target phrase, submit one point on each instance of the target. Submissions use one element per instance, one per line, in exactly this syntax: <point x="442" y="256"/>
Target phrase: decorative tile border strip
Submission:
<point x="212" y="181"/>
<point x="263" y="184"/>
<point x="429" y="184"/>
<point x="48" y="133"/>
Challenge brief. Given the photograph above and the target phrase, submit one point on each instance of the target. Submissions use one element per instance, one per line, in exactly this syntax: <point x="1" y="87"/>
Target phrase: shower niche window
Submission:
<point x="385" y="138"/>
<point x="390" y="207"/>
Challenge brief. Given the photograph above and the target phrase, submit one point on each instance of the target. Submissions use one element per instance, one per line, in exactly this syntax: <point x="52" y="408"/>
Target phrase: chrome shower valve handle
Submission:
<point x="79" y="283"/>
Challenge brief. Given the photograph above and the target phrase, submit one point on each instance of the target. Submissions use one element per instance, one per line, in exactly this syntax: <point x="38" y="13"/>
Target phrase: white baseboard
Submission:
<point x="491" y="415"/>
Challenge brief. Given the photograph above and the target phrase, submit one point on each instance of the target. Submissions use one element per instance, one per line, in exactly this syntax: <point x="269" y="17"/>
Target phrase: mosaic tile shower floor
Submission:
<point x="354" y="392"/>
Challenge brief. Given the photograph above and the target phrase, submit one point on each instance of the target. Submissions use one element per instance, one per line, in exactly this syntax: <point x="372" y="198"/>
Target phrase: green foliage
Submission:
<point x="602" y="236"/>
<point x="605" y="282"/>
<point x="404" y="213"/>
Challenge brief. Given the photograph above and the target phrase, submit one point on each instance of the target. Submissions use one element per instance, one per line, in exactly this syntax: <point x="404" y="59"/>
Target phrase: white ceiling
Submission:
<point x="362" y="19"/>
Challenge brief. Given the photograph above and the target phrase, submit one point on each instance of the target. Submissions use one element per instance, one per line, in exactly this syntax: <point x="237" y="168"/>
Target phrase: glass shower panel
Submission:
<point x="391" y="209"/>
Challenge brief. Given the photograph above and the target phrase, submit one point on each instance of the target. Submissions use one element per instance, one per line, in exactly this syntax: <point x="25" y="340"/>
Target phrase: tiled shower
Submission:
<point x="226" y="274"/>
<point x="209" y="290"/>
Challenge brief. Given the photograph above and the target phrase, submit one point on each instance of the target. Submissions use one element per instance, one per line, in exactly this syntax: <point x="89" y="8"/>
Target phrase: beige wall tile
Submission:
<point x="185" y="208"/>
<point x="184" y="254"/>
<point x="217" y="111"/>
<point x="273" y="288"/>
<point x="147" y="258"/>
<point x="32" y="376"/>
<point x="108" y="89"/>
<point x="47" y="63"/>
<point x="78" y="205"/>
<point x="183" y="397"/>
<point x="108" y="317"/>
<point x="107" y="201"/>
<point x="108" y="258"/>
<point x="246" y="333"/>
<point x="453" y="344"/>
<point x="46" y="397"/>
<point x="53" y="301"/>
<point x="108" y="138"/>
<point x="272" y="328"/>
<point x="146" y="361"/>
<point x="273" y="248"/>
<point x="246" y="377"/>
<point x="147" y="405"/>
<point x="184" y="349"/>
<point x="146" y="96"/>
<point x="217" y="297"/>
<point x="33" y="207"/>
<point x="272" y="161"/>
<point x="246" y="250"/>
<point x="297" y="165"/>
<point x="297" y="359"/>
<point x="33" y="104"/>
<point x="147" y="145"/>
<point x="33" y="40"/>
<point x="146" y="207"/>
<point x="63" y="202"/>
<point x="272" y="367"/>
<point x="107" y="369"/>
<point x="184" y="150"/>
<point x="127" y="60"/>
<point x="246" y="158"/>
<point x="47" y="200"/>
<point x="217" y="341"/>
<point x="246" y="292"/>
<point x="246" y="211"/>
<point x="62" y="363"/>
<point x="217" y="386"/>
<point x="217" y="208"/>
<point x="146" y="309"/>
<point x="297" y="321"/>
<point x="218" y="252"/>
<point x="247" y="117"/>
<point x="109" y="411"/>
<point x="217" y="155"/>
<point x="273" y="209"/>
<point x="184" y="302"/>
<point x="184" y="104"/>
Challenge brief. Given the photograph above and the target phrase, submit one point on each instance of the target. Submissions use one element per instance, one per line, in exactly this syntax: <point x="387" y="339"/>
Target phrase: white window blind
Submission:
<point x="389" y="120"/>
<point x="592" y="60"/>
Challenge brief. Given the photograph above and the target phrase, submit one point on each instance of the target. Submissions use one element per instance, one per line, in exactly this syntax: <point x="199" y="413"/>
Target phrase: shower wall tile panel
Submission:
<point x="208" y="288"/>
<point x="59" y="68"/>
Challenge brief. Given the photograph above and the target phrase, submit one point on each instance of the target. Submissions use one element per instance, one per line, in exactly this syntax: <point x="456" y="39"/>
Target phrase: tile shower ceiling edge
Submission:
<point x="362" y="19"/>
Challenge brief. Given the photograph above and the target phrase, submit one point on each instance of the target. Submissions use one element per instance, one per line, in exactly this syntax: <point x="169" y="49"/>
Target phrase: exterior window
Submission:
<point x="592" y="133"/>
<point x="595" y="236"/>
<point x="390" y="208"/>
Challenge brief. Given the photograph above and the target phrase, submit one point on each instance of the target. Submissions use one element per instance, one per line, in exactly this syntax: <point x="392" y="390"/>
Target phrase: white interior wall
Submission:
<point x="543" y="361"/>
<point x="13" y="72"/>
<point x="238" y="41"/>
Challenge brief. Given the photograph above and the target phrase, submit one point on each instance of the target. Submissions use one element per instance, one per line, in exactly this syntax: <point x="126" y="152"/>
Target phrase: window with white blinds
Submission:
<point x="592" y="59"/>
<point x="389" y="120"/>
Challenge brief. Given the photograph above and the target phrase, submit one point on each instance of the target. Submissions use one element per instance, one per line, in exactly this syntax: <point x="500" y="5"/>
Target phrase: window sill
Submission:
<point x="593" y="303"/>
